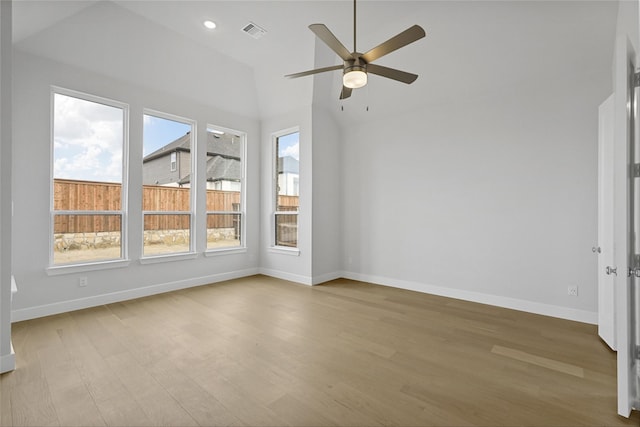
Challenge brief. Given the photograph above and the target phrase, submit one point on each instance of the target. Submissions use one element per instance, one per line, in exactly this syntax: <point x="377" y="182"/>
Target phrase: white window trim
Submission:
<point x="243" y="198"/>
<point x="148" y="259"/>
<point x="173" y="162"/>
<point x="285" y="250"/>
<point x="124" y="247"/>
<point x="174" y="256"/>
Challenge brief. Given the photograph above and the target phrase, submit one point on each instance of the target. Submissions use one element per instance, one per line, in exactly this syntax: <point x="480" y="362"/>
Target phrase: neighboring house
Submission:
<point x="288" y="176"/>
<point x="171" y="164"/>
<point x="224" y="168"/>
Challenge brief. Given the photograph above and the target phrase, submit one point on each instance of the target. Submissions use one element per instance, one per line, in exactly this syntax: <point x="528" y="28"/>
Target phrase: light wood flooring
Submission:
<point x="263" y="352"/>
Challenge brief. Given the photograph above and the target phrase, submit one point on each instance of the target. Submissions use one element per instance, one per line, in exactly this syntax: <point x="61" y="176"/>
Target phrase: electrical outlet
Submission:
<point x="83" y="281"/>
<point x="573" y="291"/>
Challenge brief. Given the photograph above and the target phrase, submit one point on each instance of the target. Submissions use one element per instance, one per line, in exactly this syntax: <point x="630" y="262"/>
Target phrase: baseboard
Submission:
<point x="94" y="301"/>
<point x="316" y="280"/>
<point x="278" y="274"/>
<point x="495" y="300"/>
<point x="8" y="362"/>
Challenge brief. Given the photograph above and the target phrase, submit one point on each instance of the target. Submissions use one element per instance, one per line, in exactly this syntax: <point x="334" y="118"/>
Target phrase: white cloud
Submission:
<point x="88" y="140"/>
<point x="293" y="151"/>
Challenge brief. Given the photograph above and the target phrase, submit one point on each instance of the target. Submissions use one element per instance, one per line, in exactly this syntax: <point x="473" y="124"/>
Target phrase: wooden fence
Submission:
<point x="72" y="195"/>
<point x="288" y="203"/>
<point x="287" y="225"/>
<point x="86" y="196"/>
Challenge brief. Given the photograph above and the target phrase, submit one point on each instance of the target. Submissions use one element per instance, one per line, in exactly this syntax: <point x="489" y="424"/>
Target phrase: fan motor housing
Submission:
<point x="354" y="67"/>
<point x="355" y="64"/>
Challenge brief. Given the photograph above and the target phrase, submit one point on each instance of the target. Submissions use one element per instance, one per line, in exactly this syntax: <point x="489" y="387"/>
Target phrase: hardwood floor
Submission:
<point x="260" y="351"/>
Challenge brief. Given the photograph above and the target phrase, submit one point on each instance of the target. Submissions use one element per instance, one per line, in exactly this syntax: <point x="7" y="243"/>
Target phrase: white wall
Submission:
<point x="498" y="202"/>
<point x="327" y="173"/>
<point x="7" y="358"/>
<point x="42" y="294"/>
<point x="320" y="222"/>
<point x="327" y="196"/>
<point x="629" y="21"/>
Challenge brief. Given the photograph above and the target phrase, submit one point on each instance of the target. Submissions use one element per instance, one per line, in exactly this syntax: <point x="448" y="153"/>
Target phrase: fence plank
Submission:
<point x="72" y="195"/>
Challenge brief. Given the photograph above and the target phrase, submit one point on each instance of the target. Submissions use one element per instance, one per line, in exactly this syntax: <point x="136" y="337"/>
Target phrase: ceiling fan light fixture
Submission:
<point x="356" y="65"/>
<point x="354" y="78"/>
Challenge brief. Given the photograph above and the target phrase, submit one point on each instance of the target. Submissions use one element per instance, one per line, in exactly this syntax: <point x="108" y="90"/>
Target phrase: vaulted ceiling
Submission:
<point x="472" y="49"/>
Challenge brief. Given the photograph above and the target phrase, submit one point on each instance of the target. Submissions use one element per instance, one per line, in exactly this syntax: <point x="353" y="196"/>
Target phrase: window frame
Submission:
<point x="89" y="265"/>
<point x="173" y="161"/>
<point x="243" y="197"/>
<point x="274" y="247"/>
<point x="191" y="252"/>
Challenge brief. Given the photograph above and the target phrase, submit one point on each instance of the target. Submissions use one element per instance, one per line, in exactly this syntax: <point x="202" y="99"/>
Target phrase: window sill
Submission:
<point x="283" y="250"/>
<point x="229" y="251"/>
<point x="169" y="257"/>
<point x="79" y="268"/>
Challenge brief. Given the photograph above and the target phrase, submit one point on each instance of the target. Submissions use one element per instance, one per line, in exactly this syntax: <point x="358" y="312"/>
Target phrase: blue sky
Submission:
<point x="289" y="145"/>
<point x="159" y="132"/>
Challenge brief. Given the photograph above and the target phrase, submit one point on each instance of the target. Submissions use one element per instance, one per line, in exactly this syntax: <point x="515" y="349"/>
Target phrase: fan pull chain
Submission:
<point x="368" y="98"/>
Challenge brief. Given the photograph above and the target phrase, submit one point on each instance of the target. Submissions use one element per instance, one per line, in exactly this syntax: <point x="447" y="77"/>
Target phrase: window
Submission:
<point x="88" y="202"/>
<point x="286" y="197"/>
<point x="174" y="162"/>
<point x="225" y="186"/>
<point x="167" y="199"/>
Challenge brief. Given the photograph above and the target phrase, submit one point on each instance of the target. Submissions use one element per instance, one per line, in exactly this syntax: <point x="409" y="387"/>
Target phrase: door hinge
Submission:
<point x="636" y="170"/>
<point x="636" y="80"/>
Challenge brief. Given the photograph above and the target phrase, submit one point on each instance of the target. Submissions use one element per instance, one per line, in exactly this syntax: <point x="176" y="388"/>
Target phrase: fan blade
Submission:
<point x="392" y="73"/>
<point x="316" y="71"/>
<point x="345" y="93"/>
<point x="330" y="40"/>
<point x="394" y="43"/>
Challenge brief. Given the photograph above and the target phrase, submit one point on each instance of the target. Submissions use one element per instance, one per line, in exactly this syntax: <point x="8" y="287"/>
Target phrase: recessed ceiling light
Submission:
<point x="209" y="24"/>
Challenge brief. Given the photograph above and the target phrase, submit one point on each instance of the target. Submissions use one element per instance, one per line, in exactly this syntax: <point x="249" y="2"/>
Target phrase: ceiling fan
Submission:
<point x="357" y="65"/>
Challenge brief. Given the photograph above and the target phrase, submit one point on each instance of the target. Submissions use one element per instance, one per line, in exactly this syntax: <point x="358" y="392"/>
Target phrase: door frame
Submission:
<point x="625" y="62"/>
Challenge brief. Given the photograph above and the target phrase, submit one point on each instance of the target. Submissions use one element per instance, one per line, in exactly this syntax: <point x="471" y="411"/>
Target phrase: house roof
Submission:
<point x="181" y="144"/>
<point x="220" y="168"/>
<point x="226" y="145"/>
<point x="223" y="156"/>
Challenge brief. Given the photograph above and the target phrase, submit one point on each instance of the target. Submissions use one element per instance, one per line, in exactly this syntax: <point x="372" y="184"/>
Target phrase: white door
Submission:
<point x="605" y="250"/>
<point x="626" y="225"/>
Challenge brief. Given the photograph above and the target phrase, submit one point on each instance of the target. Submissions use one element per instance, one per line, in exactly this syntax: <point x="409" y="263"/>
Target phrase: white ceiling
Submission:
<point x="472" y="48"/>
<point x="31" y="17"/>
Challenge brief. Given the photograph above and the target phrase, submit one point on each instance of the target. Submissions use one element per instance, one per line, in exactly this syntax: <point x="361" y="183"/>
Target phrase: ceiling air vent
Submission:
<point x="254" y="31"/>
